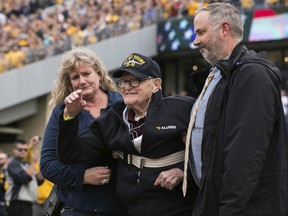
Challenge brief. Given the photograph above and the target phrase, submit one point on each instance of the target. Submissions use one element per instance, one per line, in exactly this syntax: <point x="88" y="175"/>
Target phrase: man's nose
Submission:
<point x="196" y="41"/>
<point x="128" y="85"/>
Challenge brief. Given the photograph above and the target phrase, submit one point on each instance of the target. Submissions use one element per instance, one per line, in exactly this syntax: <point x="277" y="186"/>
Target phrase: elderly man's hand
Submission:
<point x="170" y="178"/>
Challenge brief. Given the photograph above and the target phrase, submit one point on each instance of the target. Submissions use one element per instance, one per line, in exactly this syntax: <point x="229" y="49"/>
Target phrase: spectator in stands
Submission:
<point x="55" y="30"/>
<point x="239" y="148"/>
<point x="81" y="186"/>
<point x="193" y="5"/>
<point x="88" y="22"/>
<point x="33" y="156"/>
<point x="145" y="130"/>
<point x="22" y="182"/>
<point x="131" y="17"/>
<point x="15" y="57"/>
<point x="149" y="13"/>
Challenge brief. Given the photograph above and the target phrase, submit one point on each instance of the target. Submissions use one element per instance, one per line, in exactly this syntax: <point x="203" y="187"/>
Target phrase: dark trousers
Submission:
<point x="68" y="211"/>
<point x="2" y="209"/>
<point x="17" y="208"/>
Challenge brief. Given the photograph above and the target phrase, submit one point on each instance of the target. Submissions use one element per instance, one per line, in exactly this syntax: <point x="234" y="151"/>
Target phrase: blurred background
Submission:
<point x="34" y="34"/>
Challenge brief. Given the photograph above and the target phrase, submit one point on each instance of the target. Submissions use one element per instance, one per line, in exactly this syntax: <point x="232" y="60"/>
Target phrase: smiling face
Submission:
<point x="138" y="98"/>
<point x="86" y="79"/>
<point x="208" y="40"/>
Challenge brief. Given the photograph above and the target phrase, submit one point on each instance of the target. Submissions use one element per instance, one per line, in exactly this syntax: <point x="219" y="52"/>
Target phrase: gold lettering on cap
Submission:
<point x="132" y="60"/>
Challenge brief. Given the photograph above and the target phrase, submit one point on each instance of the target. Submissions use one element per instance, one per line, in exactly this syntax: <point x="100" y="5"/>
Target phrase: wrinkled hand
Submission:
<point x="97" y="176"/>
<point x="74" y="103"/>
<point x="169" y="179"/>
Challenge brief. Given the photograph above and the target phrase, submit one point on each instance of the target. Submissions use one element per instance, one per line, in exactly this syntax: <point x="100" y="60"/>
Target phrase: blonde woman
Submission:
<point x="81" y="187"/>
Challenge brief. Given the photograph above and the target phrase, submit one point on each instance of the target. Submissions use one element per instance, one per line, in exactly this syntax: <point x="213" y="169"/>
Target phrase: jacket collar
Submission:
<point x="157" y="99"/>
<point x="228" y="66"/>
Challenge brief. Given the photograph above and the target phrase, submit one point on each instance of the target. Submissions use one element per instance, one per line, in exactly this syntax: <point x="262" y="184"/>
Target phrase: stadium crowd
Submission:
<point x="31" y="30"/>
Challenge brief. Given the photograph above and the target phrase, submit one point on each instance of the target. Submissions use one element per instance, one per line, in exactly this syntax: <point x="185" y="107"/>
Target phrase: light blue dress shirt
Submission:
<point x="197" y="131"/>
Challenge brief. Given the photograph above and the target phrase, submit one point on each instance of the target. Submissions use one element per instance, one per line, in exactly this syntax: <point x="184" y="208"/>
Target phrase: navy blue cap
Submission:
<point x="140" y="66"/>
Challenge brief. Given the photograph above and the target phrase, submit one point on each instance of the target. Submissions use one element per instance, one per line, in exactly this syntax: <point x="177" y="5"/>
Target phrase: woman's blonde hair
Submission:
<point x="71" y="61"/>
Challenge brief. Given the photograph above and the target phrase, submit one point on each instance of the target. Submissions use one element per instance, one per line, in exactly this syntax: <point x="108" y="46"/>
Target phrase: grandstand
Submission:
<point x="25" y="89"/>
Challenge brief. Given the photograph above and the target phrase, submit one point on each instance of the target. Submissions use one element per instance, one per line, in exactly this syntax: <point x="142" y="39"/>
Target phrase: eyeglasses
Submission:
<point x="132" y="82"/>
<point x="22" y="149"/>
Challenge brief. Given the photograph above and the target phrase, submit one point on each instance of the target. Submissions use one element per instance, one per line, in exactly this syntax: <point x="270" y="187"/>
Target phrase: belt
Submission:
<point x="141" y="162"/>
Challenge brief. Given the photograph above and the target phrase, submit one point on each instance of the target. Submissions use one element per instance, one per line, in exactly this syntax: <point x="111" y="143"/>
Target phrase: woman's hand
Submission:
<point x="74" y="103"/>
<point x="169" y="179"/>
<point x="97" y="176"/>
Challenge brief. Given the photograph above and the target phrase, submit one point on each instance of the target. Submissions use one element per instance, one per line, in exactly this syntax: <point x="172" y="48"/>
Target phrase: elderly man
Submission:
<point x="146" y="132"/>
